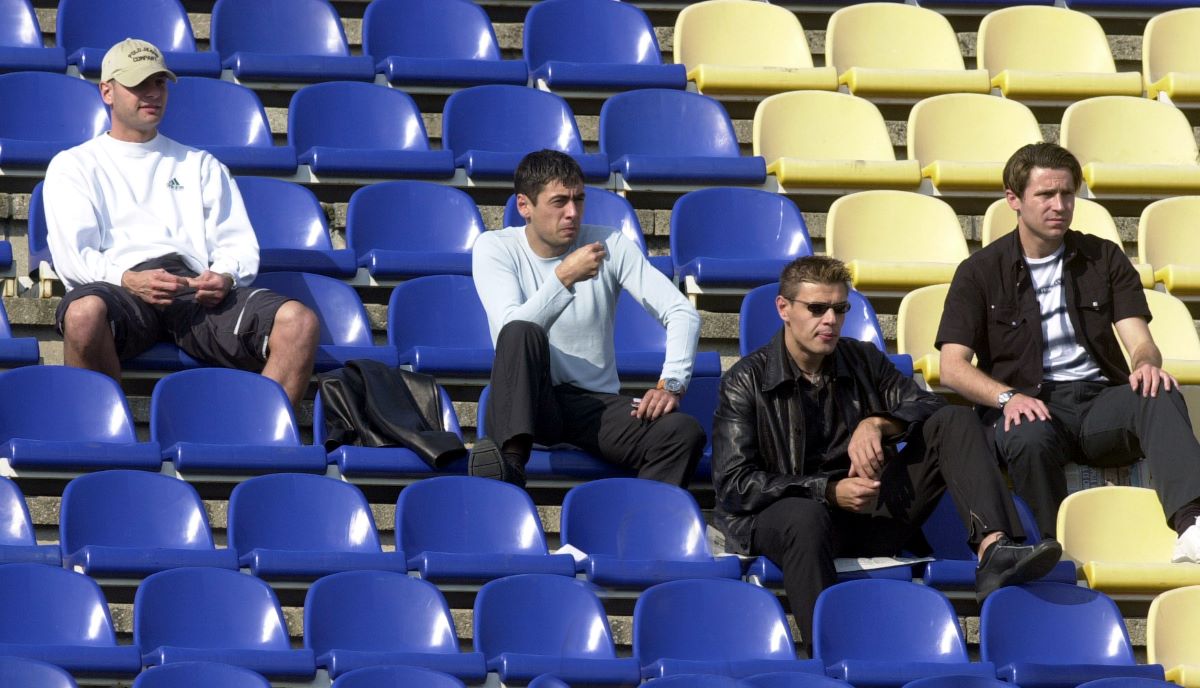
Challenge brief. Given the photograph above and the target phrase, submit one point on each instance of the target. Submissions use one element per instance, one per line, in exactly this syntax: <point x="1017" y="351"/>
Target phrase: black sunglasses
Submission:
<point x="818" y="308"/>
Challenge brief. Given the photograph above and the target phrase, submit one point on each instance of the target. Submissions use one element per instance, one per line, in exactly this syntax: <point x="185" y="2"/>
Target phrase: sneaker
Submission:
<point x="487" y="461"/>
<point x="1187" y="547"/>
<point x="1007" y="563"/>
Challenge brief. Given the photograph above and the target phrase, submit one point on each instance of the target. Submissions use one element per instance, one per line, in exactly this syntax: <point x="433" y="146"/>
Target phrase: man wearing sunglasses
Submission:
<point x="806" y="461"/>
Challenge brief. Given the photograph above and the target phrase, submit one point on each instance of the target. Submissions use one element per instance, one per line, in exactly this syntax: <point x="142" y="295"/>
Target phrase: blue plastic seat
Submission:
<point x="87" y="29"/>
<point x="69" y="111"/>
<point x="409" y="229"/>
<point x="660" y="136"/>
<point x="17" y="672"/>
<point x="225" y="420"/>
<point x="228" y="121"/>
<point x="21" y="47"/>
<point x="291" y="229"/>
<point x="364" y="619"/>
<point x="957" y="682"/>
<point x="700" y="402"/>
<point x="1046" y="635"/>
<point x="39" y="250"/>
<point x="713" y="627"/>
<point x="377" y="677"/>
<point x="436" y="43"/>
<point x="345" y="327"/>
<point x="595" y="44"/>
<point x="696" y="681"/>
<point x="640" y="341"/>
<point x="530" y="625"/>
<point x="490" y="128"/>
<point x="134" y="523"/>
<point x="285" y="40"/>
<point x="200" y="675"/>
<point x="354" y="129"/>
<point x="1125" y="682"/>
<point x="61" y="617"/>
<point x="792" y="679"/>
<point x="15" y="351"/>
<point x="68" y="419"/>
<point x="291" y="525"/>
<point x="637" y="533"/>
<point x="548" y="681"/>
<point x="460" y="528"/>
<point x="199" y="614"/>
<point x="456" y="347"/>
<point x="766" y="573"/>
<point x="18" y="542"/>
<point x="914" y="633"/>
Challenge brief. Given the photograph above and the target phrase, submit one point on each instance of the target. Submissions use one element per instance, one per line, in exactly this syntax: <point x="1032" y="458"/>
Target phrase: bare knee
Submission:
<point x="296" y="326"/>
<point x="85" y="320"/>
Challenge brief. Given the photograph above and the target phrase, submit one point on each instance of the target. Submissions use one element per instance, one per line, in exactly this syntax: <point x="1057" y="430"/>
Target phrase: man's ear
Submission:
<point x="1014" y="201"/>
<point x="781" y="307"/>
<point x="106" y="88"/>
<point x="524" y="206"/>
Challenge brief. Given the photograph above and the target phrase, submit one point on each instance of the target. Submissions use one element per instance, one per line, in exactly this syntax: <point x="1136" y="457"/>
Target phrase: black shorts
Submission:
<point x="232" y="334"/>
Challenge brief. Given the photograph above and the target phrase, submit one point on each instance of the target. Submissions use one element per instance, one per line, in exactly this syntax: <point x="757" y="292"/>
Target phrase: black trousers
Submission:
<point x="525" y="402"/>
<point x="1096" y="424"/>
<point x="950" y="452"/>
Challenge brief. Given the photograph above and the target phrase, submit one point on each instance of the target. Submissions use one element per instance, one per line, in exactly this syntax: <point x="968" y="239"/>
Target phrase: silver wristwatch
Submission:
<point x="1004" y="397"/>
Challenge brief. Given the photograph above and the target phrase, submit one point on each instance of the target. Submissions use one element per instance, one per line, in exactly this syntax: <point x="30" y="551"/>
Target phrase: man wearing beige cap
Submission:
<point x="152" y="242"/>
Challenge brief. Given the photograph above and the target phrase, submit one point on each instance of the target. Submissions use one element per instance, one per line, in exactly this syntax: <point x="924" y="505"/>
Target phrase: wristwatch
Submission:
<point x="671" y="385"/>
<point x="1004" y="397"/>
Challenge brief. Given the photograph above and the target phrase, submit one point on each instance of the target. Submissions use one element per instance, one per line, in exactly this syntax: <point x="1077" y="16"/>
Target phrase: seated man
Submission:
<point x="805" y="463"/>
<point x="152" y="242"/>
<point x="1038" y="308"/>
<point x="550" y="290"/>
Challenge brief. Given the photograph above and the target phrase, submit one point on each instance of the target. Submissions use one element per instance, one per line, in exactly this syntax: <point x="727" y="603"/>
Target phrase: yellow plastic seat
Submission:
<point x="962" y="140"/>
<point x="890" y="49"/>
<point x="1120" y="537"/>
<point x="829" y="140"/>
<point x="1090" y="218"/>
<point x="1050" y="53"/>
<point x="1171" y="55"/>
<point x="1174" y="333"/>
<point x="1172" y="639"/>
<point x="746" y="47"/>
<point x="1169" y="239"/>
<point x="916" y="329"/>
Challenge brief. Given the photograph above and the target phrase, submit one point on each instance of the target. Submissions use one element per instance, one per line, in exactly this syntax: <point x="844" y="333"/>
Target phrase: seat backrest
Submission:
<point x="292" y="511"/>
<point x="709" y="619"/>
<point x="45" y="605"/>
<point x="414" y="303"/>
<point x="1172" y="326"/>
<point x="1045" y="39"/>
<point x="221" y="406"/>
<point x="18" y="672"/>
<point x="212" y="112"/>
<point x="14" y="515"/>
<point x="634" y="519"/>
<point x="343" y="318"/>
<point x="918" y="319"/>
<point x="759" y="319"/>
<point x="700" y="402"/>
<point x="701" y="681"/>
<point x="284" y="214"/>
<point x="909" y="623"/>
<point x="412" y="216"/>
<point x="199" y="675"/>
<point x="502" y="117"/>
<point x="796" y="679"/>
<point x="19" y="27"/>
<point x="590" y="31"/>
<point x="886" y="35"/>
<point x="1114" y="523"/>
<point x="969" y="127"/>
<point x="87" y="406"/>
<point x="1171" y="637"/>
<point x="351" y="114"/>
<point x="282" y="27"/>
<point x="1052" y="623"/>
<point x="68" y="109"/>
<point x="737" y="223"/>
<point x="541" y="614"/>
<point x="1090" y="218"/>
<point x="207" y="608"/>
<point x="376" y="676"/>
<point x="635" y="329"/>
<point x="659" y="121"/>
<point x="957" y="682"/>
<point x="1167" y="232"/>
<point x="1168" y="44"/>
<point x="457" y="513"/>
<point x="602" y="207"/>
<point x="132" y="509"/>
<point x="447" y="29"/>
<point x="5" y="328"/>
<point x="740" y="33"/>
<point x="38" y="231"/>
<point x="88" y="24"/>
<point x="1128" y="130"/>
<point x="820" y="125"/>
<point x="890" y="225"/>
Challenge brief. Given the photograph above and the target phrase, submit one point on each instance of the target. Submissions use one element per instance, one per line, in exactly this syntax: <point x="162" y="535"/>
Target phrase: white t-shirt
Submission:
<point x="1062" y="356"/>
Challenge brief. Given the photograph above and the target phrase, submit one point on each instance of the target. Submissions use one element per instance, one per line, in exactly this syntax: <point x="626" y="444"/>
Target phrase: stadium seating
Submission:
<point x="15" y="351"/>
<point x="447" y="347"/>
<point x="86" y="30"/>
<point x="353" y="129"/>
<point x="135" y="523"/>
<point x="695" y="681"/>
<point x="1050" y="53"/>
<point x="762" y="571"/>
<point x="291" y="525"/>
<point x="200" y="675"/>
<point x="1119" y="537"/>
<point x="700" y="402"/>
<point x="18" y="542"/>
<point x="818" y="139"/>
<point x="69" y="111"/>
<point x="915" y="634"/>
<point x="530" y="625"/>
<point x="1046" y="635"/>
<point x="637" y="533"/>
<point x="794" y="679"/>
<point x="361" y="619"/>
<point x="657" y="136"/>
<point x="291" y="229"/>
<point x="1171" y="638"/>
<point x="917" y="323"/>
<point x="888" y="50"/>
<point x="285" y="40"/>
<point x="375" y="677"/>
<point x="21" y="47"/>
<point x="407" y="229"/>
<point x="1123" y="682"/>
<point x="17" y="672"/>
<point x="1170" y="68"/>
<point x="228" y="121"/>
<point x="1167" y="240"/>
<point x="640" y="344"/>
<point x="595" y="45"/>
<point x="228" y="421"/>
<point x="957" y="682"/>
<point x="436" y="43"/>
<point x="201" y="614"/>
<point x="459" y="528"/>
<point x="41" y="263"/>
<point x="1175" y="333"/>
<point x="744" y="47"/>
<point x="548" y="681"/>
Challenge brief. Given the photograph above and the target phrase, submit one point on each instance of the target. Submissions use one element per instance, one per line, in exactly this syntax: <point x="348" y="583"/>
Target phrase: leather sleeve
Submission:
<point x="905" y="400"/>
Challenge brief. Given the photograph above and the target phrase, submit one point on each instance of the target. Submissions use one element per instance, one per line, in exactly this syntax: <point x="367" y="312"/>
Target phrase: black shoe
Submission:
<point x="487" y="461"/>
<point x="1007" y="563"/>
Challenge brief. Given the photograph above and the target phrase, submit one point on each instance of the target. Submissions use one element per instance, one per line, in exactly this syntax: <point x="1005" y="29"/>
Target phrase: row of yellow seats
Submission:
<point x="1171" y="637"/>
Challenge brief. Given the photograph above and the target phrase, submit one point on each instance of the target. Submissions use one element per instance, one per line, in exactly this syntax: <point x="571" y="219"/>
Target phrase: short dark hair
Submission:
<point x="539" y="168"/>
<point x="812" y="269"/>
<point x="1045" y="155"/>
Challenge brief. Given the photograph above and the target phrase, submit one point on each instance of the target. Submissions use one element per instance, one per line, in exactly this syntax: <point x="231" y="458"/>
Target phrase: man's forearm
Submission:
<point x="1145" y="353"/>
<point x="971" y="382"/>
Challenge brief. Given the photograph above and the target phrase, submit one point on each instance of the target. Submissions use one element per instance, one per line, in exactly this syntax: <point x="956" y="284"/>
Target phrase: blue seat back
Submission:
<point x="700" y="402"/>
<point x="375" y="677"/>
<point x="945" y="533"/>
<point x="696" y="681"/>
<point x="221" y="406"/>
<point x="759" y="319"/>
<point x="634" y="329"/>
<point x="796" y="679"/>
<point x="343" y="318"/>
<point x="966" y="682"/>
<point x="90" y="24"/>
<point x="910" y="623"/>
<point x="412" y="216"/>
<point x="737" y="223"/>
<point x="602" y="207"/>
<point x="199" y="675"/>
<point x="68" y="109"/>
<point x="87" y="406"/>
<point x="211" y="112"/>
<point x="1053" y="623"/>
<point x="14" y="514"/>
<point x="634" y="519"/>
<point x="541" y="614"/>
<point x="18" y="672"/>
<point x="5" y="327"/>
<point x="377" y="611"/>
<point x="507" y="118"/>
<point x="656" y="121"/>
<point x="45" y="605"/>
<point x="284" y="214"/>
<point x="590" y="31"/>
<point x="446" y="29"/>
<point x="416" y="307"/>
<point x="19" y="26"/>
<point x="468" y="515"/>
<point x="349" y="114"/>
<point x="281" y="27"/>
<point x="291" y="511"/>
<point x="132" y="509"/>
<point x="38" y="232"/>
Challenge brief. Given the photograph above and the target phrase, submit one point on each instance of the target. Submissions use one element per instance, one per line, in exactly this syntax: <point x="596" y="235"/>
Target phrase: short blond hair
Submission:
<point x="815" y="270"/>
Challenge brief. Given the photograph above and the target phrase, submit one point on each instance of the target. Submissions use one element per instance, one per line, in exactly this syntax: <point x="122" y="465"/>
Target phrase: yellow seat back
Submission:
<point x="894" y="226"/>
<point x="820" y="125"/>
<point x="918" y="319"/>
<point x="1168" y="233"/>
<point x="969" y="127"/>
<point x="1090" y="218"/>
<point x="1171" y="628"/>
<point x="1115" y="524"/>
<point x="1172" y="327"/>
<point x="1044" y="39"/>
<point x="887" y="35"/>
<point x="740" y="33"/>
<point x="1169" y="44"/>
<point x="1128" y="130"/>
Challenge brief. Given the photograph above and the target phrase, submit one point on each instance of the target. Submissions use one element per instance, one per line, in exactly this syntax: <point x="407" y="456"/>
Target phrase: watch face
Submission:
<point x="1004" y="397"/>
<point x="673" y="386"/>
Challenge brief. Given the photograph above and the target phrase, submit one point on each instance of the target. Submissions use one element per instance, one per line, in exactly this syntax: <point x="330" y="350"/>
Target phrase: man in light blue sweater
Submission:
<point x="550" y="290"/>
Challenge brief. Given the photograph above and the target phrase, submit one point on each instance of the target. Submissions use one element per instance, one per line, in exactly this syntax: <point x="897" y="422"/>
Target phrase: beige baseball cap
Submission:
<point x="132" y="61"/>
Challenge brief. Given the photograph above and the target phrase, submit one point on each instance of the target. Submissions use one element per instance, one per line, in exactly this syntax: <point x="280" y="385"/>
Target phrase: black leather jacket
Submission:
<point x="758" y="430"/>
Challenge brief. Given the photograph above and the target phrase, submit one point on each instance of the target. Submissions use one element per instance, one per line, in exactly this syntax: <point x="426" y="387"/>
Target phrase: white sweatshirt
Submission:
<point x="515" y="283"/>
<point x="113" y="204"/>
